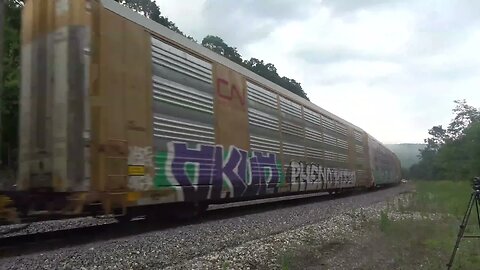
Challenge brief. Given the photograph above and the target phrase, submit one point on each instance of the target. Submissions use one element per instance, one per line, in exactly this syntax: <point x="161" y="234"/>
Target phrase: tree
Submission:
<point x="465" y="116"/>
<point x="269" y="72"/>
<point x="151" y="10"/>
<point x="11" y="81"/>
<point x="217" y="45"/>
<point x="453" y="153"/>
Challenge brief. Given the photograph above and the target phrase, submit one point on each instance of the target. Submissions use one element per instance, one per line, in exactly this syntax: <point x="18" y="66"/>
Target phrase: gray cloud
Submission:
<point x="342" y="7"/>
<point x="333" y="55"/>
<point x="245" y="21"/>
<point x="440" y="27"/>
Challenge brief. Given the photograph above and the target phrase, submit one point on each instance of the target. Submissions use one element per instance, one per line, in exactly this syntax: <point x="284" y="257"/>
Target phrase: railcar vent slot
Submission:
<point x="330" y="155"/>
<point x="293" y="149"/>
<point x="292" y="129"/>
<point x="180" y="95"/>
<point x="342" y="144"/>
<point x="312" y="117"/>
<point x="342" y="157"/>
<point x="328" y="123"/>
<point x="313" y="135"/>
<point x="171" y="129"/>
<point x="340" y="128"/>
<point x="264" y="145"/>
<point x="314" y="153"/>
<point x="261" y="95"/>
<point x="359" y="149"/>
<point x="261" y="119"/>
<point x="358" y="136"/>
<point x="175" y="59"/>
<point x="290" y="107"/>
<point x="330" y="140"/>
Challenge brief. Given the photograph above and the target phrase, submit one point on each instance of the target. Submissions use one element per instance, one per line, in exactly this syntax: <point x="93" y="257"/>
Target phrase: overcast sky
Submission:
<point x="391" y="67"/>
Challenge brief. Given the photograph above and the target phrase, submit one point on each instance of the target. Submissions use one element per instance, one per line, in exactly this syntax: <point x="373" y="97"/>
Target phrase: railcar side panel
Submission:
<point x="385" y="164"/>
<point x="55" y="41"/>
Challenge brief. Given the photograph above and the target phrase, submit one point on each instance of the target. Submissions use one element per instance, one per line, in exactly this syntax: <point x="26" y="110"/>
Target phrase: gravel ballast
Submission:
<point x="185" y="247"/>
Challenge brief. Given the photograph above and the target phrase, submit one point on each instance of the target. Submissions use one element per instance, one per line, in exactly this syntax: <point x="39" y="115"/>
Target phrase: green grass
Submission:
<point x="429" y="242"/>
<point x="442" y="197"/>
<point x="384" y="222"/>
<point x="422" y="241"/>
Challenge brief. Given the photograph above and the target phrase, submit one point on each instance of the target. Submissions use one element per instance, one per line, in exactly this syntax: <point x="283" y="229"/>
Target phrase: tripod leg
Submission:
<point x="462" y="229"/>
<point x="477" y="202"/>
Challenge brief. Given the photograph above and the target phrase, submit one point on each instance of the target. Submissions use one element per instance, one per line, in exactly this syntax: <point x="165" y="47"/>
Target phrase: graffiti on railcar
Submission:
<point x="301" y="172"/>
<point x="204" y="170"/>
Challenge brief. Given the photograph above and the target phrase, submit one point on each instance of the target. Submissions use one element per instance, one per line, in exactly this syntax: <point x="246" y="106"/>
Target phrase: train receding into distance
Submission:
<point x="121" y="116"/>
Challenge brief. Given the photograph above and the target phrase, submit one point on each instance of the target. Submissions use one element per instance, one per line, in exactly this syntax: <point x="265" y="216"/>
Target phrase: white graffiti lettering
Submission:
<point x="313" y="173"/>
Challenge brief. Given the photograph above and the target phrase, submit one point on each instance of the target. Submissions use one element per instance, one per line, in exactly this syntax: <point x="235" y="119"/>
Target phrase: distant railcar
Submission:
<point x="118" y="113"/>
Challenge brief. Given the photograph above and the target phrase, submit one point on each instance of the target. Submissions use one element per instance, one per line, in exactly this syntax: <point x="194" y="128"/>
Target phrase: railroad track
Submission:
<point x="21" y="244"/>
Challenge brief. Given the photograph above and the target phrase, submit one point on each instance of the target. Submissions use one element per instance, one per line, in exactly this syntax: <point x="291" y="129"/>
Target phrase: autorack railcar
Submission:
<point x="118" y="113"/>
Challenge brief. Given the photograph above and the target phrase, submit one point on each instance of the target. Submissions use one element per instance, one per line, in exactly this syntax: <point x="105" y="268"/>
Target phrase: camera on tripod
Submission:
<point x="476" y="183"/>
<point x="474" y="202"/>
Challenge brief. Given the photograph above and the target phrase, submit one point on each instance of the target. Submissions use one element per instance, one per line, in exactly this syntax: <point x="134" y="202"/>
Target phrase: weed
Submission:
<point x="286" y="261"/>
<point x="225" y="265"/>
<point x="384" y="221"/>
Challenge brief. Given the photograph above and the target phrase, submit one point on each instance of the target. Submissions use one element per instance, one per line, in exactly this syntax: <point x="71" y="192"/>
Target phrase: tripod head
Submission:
<point x="476" y="183"/>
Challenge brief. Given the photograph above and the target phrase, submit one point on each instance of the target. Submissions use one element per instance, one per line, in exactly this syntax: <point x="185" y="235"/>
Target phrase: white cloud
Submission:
<point x="390" y="67"/>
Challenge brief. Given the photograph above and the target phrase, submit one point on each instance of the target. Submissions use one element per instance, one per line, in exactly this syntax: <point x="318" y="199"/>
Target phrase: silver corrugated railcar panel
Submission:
<point x="330" y="140"/>
<point x="342" y="144"/>
<point x="357" y="135"/>
<point x="175" y="59"/>
<point x="313" y="135"/>
<point x="329" y="155"/>
<point x="314" y="153"/>
<point x="290" y="107"/>
<point x="312" y="117"/>
<point x="184" y="96"/>
<point x="292" y="129"/>
<point x="293" y="149"/>
<point x="264" y="145"/>
<point x="177" y="130"/>
<point x="262" y="120"/>
<point x="340" y="128"/>
<point x="328" y="123"/>
<point x="261" y="95"/>
<point x="342" y="157"/>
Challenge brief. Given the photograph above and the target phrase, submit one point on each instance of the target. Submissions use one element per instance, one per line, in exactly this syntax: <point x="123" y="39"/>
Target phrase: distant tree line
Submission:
<point x="452" y="152"/>
<point x="11" y="68"/>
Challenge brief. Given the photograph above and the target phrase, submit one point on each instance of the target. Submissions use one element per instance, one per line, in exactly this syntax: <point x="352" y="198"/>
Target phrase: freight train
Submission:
<point x="120" y="116"/>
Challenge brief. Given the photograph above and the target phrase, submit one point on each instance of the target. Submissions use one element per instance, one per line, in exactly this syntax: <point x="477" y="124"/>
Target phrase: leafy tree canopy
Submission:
<point x="454" y="152"/>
